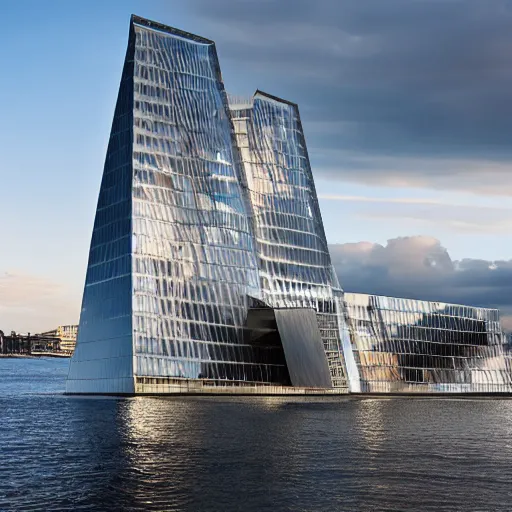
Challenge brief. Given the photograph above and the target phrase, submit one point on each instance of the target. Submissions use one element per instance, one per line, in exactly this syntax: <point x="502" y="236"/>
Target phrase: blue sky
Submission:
<point x="406" y="128"/>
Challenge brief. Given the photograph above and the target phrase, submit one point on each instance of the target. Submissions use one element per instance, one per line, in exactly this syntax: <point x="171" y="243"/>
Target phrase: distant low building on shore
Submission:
<point x="60" y="341"/>
<point x="67" y="335"/>
<point x="14" y="343"/>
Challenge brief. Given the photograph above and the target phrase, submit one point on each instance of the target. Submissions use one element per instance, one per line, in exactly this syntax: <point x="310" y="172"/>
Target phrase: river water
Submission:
<point x="245" y="454"/>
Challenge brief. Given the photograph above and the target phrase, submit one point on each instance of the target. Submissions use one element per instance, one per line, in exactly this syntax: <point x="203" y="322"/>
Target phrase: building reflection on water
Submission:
<point x="194" y="453"/>
<point x="268" y="453"/>
<point x="253" y="454"/>
<point x="371" y="423"/>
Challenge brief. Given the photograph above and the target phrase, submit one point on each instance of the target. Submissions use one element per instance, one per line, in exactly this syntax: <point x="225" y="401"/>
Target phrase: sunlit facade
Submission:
<point x="406" y="345"/>
<point x="172" y="265"/>
<point x="67" y="335"/>
<point x="209" y="269"/>
<point x="293" y="256"/>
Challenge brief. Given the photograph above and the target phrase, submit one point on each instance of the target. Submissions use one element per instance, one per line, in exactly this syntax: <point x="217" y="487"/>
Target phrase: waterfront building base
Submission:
<point x="397" y="388"/>
<point x="201" y="389"/>
<point x="164" y="386"/>
<point x="448" y="395"/>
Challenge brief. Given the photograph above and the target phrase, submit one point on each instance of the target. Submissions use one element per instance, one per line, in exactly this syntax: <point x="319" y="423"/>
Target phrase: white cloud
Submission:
<point x="392" y="200"/>
<point x="420" y="267"/>
<point x="464" y="217"/>
<point x="483" y="177"/>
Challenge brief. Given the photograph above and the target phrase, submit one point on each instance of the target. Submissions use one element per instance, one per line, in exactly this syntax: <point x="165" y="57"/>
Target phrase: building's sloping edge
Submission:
<point x="144" y="22"/>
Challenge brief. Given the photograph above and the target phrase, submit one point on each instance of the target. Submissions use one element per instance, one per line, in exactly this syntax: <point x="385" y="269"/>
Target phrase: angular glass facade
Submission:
<point x="103" y="358"/>
<point x="293" y="257"/>
<point x="172" y="265"/>
<point x="194" y="264"/>
<point x="406" y="345"/>
<point x="209" y="268"/>
<point x="294" y="261"/>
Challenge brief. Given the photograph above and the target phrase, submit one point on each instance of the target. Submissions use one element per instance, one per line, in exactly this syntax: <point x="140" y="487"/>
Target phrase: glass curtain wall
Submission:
<point x="172" y="263"/>
<point x="293" y="257"/>
<point x="103" y="358"/>
<point x="194" y="262"/>
<point x="419" y="346"/>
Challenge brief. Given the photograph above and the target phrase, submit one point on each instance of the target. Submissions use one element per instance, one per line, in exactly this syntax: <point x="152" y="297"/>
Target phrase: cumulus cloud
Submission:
<point x="419" y="267"/>
<point x="35" y="304"/>
<point x="406" y="92"/>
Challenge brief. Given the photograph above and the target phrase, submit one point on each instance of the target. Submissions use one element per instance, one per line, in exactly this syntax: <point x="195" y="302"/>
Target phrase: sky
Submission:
<point x="406" y="106"/>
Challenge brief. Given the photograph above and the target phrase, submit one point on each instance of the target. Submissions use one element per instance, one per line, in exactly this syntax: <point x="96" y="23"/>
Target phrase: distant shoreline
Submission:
<point x="34" y="356"/>
<point x="18" y="356"/>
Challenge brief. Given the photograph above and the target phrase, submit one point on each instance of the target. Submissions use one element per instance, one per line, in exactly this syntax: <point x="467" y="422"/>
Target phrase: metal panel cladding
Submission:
<point x="406" y="345"/>
<point x="303" y="348"/>
<point x="293" y="257"/>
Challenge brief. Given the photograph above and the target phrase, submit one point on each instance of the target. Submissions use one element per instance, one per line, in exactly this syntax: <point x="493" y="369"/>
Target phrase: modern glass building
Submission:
<point x="293" y="257"/>
<point x="173" y="266"/>
<point x="172" y="263"/>
<point x="209" y="269"/>
<point x="405" y="345"/>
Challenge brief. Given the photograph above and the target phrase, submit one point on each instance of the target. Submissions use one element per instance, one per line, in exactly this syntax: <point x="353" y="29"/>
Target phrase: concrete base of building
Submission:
<point x="177" y="387"/>
<point x="238" y="391"/>
<point x="164" y="386"/>
<point x="285" y="391"/>
<point x="469" y="395"/>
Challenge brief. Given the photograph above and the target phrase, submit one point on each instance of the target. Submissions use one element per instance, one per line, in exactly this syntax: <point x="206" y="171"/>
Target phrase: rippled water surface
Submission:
<point x="247" y="454"/>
